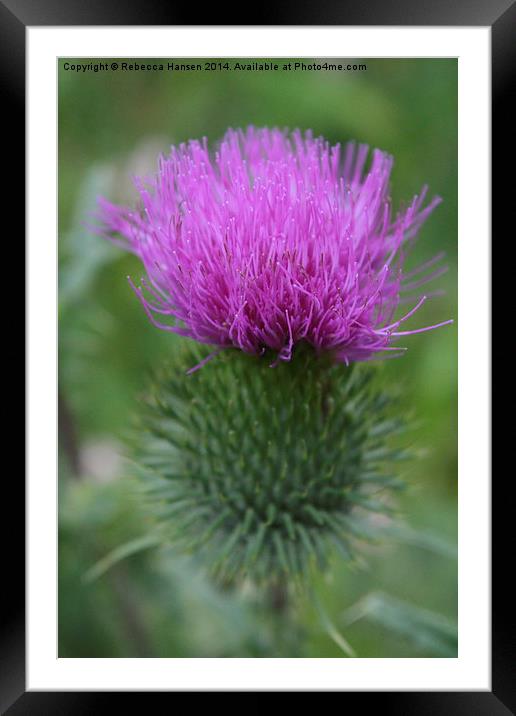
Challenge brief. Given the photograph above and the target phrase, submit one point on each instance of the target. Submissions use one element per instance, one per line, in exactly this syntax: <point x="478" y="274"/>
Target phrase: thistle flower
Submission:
<point x="275" y="240"/>
<point x="273" y="244"/>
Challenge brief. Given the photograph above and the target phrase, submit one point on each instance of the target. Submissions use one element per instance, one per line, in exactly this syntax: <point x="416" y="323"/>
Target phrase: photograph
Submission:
<point x="257" y="357"/>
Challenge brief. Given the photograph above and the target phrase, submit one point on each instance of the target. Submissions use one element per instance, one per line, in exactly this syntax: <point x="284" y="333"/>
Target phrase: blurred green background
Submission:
<point x="402" y="602"/>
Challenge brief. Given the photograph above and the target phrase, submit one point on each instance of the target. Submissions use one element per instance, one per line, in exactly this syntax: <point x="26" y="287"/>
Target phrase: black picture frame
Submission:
<point x="500" y="15"/>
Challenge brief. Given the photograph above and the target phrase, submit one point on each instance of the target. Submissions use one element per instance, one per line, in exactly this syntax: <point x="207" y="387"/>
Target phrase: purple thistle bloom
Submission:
<point x="278" y="238"/>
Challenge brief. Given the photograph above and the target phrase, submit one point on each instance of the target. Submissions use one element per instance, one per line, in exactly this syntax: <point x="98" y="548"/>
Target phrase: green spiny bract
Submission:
<point x="260" y="469"/>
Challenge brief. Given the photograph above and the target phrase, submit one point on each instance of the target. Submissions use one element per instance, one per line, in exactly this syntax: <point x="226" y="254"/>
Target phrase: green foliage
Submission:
<point x="260" y="468"/>
<point x="120" y="597"/>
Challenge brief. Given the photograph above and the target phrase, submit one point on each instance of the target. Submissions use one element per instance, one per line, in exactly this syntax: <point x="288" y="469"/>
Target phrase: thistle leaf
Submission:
<point x="428" y="631"/>
<point x="332" y="631"/>
<point x="118" y="554"/>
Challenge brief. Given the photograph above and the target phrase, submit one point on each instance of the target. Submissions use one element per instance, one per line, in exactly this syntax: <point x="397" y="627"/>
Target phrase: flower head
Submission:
<point x="274" y="240"/>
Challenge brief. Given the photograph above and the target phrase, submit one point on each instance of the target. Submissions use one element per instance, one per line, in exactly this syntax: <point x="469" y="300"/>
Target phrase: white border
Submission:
<point x="471" y="670"/>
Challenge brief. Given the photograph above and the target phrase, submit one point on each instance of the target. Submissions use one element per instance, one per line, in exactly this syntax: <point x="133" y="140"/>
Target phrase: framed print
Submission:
<point x="231" y="231"/>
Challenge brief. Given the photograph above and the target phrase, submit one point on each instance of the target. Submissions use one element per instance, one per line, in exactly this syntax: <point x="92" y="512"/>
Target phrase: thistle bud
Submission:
<point x="262" y="471"/>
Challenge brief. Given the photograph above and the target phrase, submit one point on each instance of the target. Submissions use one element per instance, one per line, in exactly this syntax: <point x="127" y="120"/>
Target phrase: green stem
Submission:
<point x="278" y="595"/>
